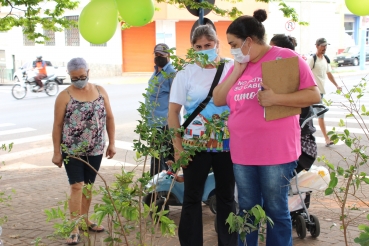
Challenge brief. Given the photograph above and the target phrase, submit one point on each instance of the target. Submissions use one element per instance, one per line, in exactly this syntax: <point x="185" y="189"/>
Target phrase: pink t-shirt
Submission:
<point x="255" y="141"/>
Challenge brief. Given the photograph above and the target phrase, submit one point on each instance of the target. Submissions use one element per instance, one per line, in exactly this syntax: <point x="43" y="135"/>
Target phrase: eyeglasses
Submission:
<point x="80" y="78"/>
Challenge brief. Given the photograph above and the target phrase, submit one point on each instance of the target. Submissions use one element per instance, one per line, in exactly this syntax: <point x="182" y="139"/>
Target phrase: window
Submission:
<point x="72" y="34"/>
<point x="349" y="28"/>
<point x="51" y="35"/>
<point x="27" y="42"/>
<point x="98" y="45"/>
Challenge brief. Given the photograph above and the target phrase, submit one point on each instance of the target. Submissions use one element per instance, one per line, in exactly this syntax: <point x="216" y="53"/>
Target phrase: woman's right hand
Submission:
<point x="57" y="159"/>
<point x="177" y="155"/>
<point x="239" y="68"/>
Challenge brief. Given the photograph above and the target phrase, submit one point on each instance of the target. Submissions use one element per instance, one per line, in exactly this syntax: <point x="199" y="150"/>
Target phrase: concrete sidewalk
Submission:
<point x="44" y="187"/>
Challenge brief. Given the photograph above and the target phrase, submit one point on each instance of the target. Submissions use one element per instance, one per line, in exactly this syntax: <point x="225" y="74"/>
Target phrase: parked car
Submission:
<point x="61" y="72"/>
<point x="351" y="55"/>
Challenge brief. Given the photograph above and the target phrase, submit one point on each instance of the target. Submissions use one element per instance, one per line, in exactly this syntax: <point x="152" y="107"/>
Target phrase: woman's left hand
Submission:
<point x="110" y="151"/>
<point x="266" y="96"/>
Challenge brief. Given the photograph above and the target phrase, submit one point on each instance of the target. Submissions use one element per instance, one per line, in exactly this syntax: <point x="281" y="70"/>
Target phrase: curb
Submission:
<point x="345" y="74"/>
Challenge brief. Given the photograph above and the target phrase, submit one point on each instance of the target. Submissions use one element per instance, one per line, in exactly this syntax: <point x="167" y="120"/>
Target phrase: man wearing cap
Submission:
<point x="160" y="82"/>
<point x="319" y="65"/>
<point x="40" y="66"/>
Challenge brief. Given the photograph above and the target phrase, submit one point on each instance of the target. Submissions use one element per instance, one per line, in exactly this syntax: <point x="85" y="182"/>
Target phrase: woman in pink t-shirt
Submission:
<point x="264" y="153"/>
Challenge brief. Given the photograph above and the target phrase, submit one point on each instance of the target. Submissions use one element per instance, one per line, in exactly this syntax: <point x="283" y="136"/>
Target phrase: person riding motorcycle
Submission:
<point x="39" y="65"/>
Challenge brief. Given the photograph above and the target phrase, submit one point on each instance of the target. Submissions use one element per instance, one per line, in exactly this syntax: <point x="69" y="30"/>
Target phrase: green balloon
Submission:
<point x="136" y="12"/>
<point x="358" y="7"/>
<point x="98" y="21"/>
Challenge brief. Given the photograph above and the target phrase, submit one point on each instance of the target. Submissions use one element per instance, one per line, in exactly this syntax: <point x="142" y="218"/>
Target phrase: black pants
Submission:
<point x="190" y="229"/>
<point x="38" y="79"/>
<point x="158" y="165"/>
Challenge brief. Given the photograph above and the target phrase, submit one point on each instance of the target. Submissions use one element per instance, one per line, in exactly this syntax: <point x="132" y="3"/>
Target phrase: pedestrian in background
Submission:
<point x="40" y="66"/>
<point x="82" y="112"/>
<point x="319" y="65"/>
<point x="161" y="82"/>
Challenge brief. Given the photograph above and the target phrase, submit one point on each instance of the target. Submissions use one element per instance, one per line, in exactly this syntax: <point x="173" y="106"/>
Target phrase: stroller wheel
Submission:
<point x="300" y="226"/>
<point x="159" y="202"/>
<point x="215" y="225"/>
<point x="315" y="227"/>
<point x="213" y="204"/>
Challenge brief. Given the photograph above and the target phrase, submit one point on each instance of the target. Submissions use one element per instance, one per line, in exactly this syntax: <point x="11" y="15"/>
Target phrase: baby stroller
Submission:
<point x="301" y="219"/>
<point x="300" y="216"/>
<point x="161" y="183"/>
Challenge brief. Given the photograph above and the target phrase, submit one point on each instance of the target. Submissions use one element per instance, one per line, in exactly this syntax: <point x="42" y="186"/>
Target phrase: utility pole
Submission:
<point x="201" y="14"/>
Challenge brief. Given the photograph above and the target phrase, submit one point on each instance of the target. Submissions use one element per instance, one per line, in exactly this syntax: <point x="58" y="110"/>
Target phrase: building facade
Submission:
<point x="131" y="50"/>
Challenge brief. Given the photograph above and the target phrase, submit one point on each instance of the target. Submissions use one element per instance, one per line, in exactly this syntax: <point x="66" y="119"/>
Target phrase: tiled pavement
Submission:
<point x="42" y="188"/>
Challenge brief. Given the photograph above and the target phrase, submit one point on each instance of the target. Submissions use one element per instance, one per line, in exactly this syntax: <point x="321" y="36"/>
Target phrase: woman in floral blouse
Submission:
<point x="82" y="112"/>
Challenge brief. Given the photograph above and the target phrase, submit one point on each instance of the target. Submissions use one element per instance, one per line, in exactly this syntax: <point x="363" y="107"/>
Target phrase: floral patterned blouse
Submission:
<point x="84" y="124"/>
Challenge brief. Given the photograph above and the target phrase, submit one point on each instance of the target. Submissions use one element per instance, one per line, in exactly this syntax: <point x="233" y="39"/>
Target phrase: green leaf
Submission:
<point x="347" y="132"/>
<point x="340" y="171"/>
<point x="333" y="183"/>
<point x="256" y="213"/>
<point x="363" y="227"/>
<point x="363" y="239"/>
<point x="330" y="165"/>
<point x="348" y="143"/>
<point x="357" y="183"/>
<point x="363" y="109"/>
<point x="328" y="191"/>
<point x="366" y="180"/>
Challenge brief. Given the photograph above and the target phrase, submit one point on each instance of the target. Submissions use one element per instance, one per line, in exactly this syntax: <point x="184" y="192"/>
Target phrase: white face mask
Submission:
<point x="239" y="56"/>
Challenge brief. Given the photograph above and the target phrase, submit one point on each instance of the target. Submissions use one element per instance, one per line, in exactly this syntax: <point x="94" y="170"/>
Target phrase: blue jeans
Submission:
<point x="267" y="186"/>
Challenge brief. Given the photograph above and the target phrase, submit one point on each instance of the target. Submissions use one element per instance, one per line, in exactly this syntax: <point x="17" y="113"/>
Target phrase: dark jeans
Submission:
<point x="158" y="165"/>
<point x="268" y="186"/>
<point x="190" y="229"/>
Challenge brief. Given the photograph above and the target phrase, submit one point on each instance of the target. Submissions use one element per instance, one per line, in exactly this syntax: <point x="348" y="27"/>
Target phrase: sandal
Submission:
<point x="94" y="227"/>
<point x="328" y="144"/>
<point x="73" y="236"/>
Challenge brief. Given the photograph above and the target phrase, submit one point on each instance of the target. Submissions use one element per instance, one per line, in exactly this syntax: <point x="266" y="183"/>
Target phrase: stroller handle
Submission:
<point x="318" y="109"/>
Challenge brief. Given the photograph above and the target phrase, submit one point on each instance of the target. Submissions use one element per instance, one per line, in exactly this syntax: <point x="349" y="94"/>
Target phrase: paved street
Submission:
<point x="40" y="185"/>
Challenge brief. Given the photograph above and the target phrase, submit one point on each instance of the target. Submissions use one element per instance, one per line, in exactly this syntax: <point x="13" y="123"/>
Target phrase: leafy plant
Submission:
<point x="49" y="14"/>
<point x="53" y="16"/>
<point x="363" y="238"/>
<point x="253" y="220"/>
<point x="348" y="177"/>
<point x="4" y="197"/>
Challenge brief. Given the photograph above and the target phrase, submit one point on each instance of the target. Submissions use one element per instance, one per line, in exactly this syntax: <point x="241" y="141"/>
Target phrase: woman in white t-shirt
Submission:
<point x="190" y="87"/>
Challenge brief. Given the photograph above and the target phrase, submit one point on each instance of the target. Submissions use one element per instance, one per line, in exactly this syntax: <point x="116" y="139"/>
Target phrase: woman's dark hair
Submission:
<point x="284" y="41"/>
<point x="204" y="30"/>
<point x="249" y="26"/>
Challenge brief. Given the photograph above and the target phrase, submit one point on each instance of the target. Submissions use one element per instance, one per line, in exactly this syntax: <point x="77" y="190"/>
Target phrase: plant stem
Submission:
<point x="110" y="197"/>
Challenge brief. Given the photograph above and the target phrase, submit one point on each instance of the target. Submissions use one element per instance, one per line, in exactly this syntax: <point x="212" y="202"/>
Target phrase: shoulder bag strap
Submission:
<point x="207" y="99"/>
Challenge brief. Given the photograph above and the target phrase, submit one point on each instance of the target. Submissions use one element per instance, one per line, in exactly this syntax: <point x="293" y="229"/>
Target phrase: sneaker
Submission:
<point x="40" y="89"/>
<point x="35" y="89"/>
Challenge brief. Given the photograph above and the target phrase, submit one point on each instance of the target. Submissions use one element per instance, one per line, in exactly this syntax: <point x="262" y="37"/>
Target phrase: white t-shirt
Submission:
<point x="190" y="87"/>
<point x="320" y="70"/>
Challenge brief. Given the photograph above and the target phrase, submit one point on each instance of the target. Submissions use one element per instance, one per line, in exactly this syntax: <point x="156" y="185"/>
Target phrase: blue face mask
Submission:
<point x="212" y="53"/>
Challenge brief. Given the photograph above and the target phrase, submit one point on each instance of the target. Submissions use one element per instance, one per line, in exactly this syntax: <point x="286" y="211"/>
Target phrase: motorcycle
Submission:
<point x="51" y="85"/>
